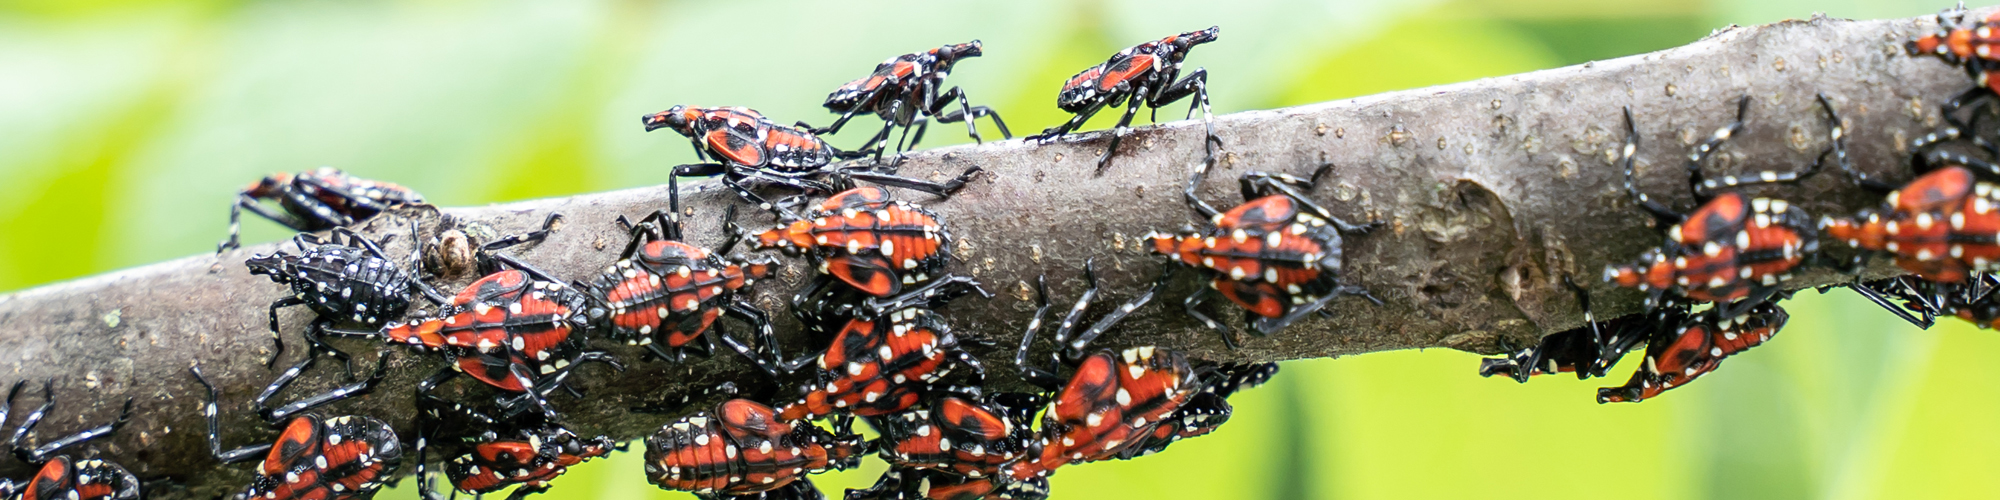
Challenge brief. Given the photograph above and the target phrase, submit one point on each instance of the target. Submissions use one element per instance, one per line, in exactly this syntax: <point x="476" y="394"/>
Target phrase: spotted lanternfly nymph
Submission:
<point x="868" y="241"/>
<point x="517" y="329"/>
<point x="347" y="280"/>
<point x="1148" y="74"/>
<point x="740" y="145"/>
<point x="315" y="201"/>
<point x="1940" y="226"/>
<point x="527" y="451"/>
<point x="966" y="437"/>
<point x="60" y="478"/>
<point x="1205" y="411"/>
<point x="741" y="448"/>
<point x="1732" y="250"/>
<point x="907" y="89"/>
<point x="665" y="294"/>
<point x="314" y="458"/>
<point x="884" y="362"/>
<point x="1675" y="357"/>
<point x="1110" y="407"/>
<point x="867" y="248"/>
<point x="1968" y="46"/>
<point x="1278" y="255"/>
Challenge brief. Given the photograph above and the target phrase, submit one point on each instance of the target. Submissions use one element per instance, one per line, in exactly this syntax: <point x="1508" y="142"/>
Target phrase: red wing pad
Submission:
<point x="53" y="482"/>
<point x="1270" y="213"/>
<point x="1086" y="77"/>
<point x="1718" y="220"/>
<point x="299" y="441"/>
<point x="857" y="198"/>
<point x="869" y="274"/>
<point x="736" y="146"/>
<point x="1126" y="69"/>
<point x="1262" y="299"/>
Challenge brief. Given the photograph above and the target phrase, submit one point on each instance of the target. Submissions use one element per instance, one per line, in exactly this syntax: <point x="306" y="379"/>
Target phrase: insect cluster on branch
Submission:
<point x="882" y="350"/>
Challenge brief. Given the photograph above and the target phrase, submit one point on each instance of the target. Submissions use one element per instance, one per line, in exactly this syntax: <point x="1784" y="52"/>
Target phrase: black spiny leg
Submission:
<point x="931" y="295"/>
<point x="1949" y="158"/>
<point x="1922" y="319"/>
<point x="208" y="411"/>
<point x="1698" y="183"/>
<point x="733" y="234"/>
<point x="761" y="323"/>
<point x="1069" y="322"/>
<point x="9" y="406"/>
<point x="1590" y="319"/>
<point x="1201" y="208"/>
<point x="1192" y="306"/>
<point x="36" y="455"/>
<point x="1627" y="155"/>
<point x="1046" y="379"/>
<point x="1104" y="324"/>
<point x="914" y="132"/>
<point x="940" y="189"/>
<point x="969" y="113"/>
<point x="1118" y="131"/>
<point x="1838" y="150"/>
<point x="277" y="341"/>
<point x="247" y="202"/>
<point x="285" y="379"/>
<point x="1075" y="122"/>
<point x="317" y="346"/>
<point x="283" y="413"/>
<point x="1194" y="84"/>
<point x="1709" y="186"/>
<point x="549" y="225"/>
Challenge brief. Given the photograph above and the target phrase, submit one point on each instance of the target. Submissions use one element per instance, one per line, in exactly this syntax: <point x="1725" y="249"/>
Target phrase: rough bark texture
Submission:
<point x="1491" y="190"/>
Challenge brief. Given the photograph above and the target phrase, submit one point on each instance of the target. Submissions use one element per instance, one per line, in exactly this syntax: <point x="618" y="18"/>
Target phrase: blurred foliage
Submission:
<point x="128" y="124"/>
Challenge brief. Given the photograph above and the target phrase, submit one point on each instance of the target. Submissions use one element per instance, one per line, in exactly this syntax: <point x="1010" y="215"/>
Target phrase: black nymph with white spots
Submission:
<point x="348" y="281"/>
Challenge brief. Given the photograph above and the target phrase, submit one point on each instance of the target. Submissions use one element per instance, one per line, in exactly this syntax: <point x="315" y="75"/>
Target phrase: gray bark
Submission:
<point x="1491" y="191"/>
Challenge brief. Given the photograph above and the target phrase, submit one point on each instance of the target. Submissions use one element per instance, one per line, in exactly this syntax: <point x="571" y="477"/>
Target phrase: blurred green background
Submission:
<point x="126" y="126"/>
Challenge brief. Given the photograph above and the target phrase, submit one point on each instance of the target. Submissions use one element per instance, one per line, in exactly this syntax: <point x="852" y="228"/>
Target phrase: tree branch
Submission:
<point x="1491" y="190"/>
